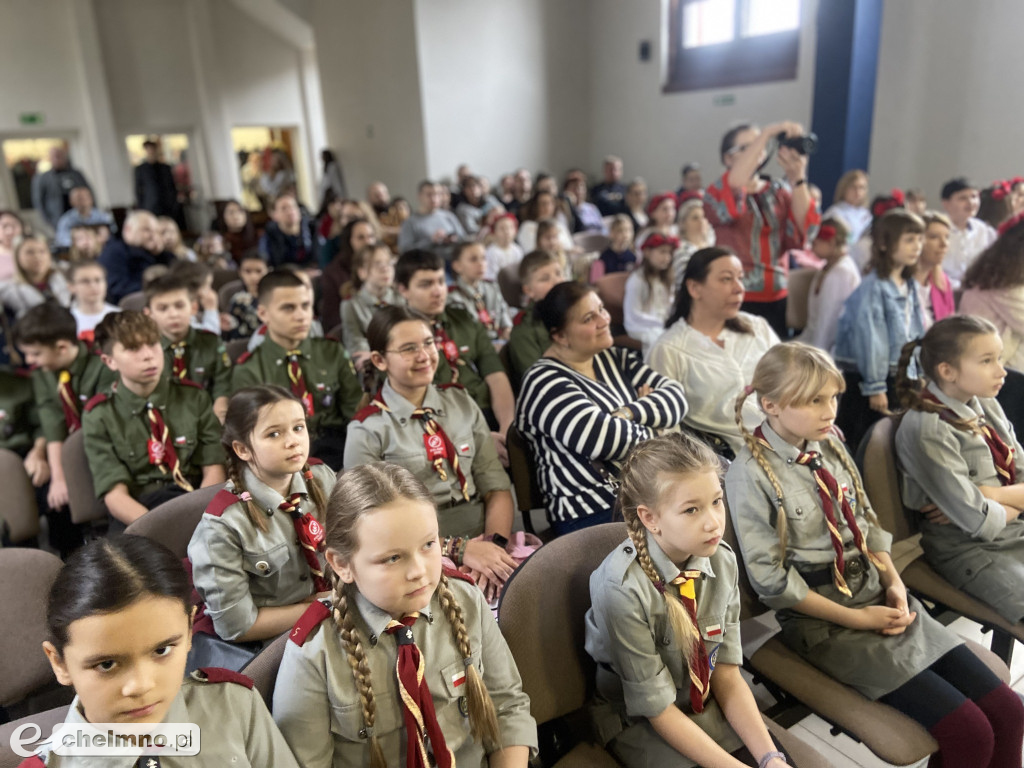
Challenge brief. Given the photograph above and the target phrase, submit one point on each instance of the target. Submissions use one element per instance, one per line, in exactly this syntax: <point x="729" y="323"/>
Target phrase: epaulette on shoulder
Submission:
<point x="243" y="357"/>
<point x="221" y="675"/>
<point x="95" y="400"/>
<point x="187" y="383"/>
<point x="366" y="412"/>
<point x="316" y="613"/>
<point x="313" y="461"/>
<point x="221" y="501"/>
<point x="23" y="373"/>
<point x="452" y="288"/>
<point x="454" y="573"/>
<point x="518" y="319"/>
<point x="450" y="385"/>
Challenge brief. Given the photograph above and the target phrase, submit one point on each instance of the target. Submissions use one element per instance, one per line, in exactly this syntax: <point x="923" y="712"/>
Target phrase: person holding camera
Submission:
<point x="761" y="218"/>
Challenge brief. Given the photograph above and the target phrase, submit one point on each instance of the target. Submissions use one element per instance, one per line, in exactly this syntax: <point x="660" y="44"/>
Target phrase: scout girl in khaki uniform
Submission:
<point x="440" y="435"/>
<point x="456" y="698"/>
<point x="119" y="619"/>
<point x="254" y="554"/>
<point x="664" y="624"/>
<point x="373" y="276"/>
<point x="814" y="553"/>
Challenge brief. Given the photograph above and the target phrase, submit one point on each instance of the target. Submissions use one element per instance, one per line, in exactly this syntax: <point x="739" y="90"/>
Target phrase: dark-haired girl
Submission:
<point x="255" y="553"/>
<point x="584" y="404"/>
<point x="711" y="347"/>
<point x="119" y="621"/>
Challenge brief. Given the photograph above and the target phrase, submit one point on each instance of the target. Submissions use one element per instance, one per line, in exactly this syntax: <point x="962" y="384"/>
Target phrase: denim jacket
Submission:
<point x="872" y="330"/>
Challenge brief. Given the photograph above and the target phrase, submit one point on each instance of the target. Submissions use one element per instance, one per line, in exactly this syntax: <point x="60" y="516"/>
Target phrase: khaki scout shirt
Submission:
<point x="397" y="437"/>
<point x="356" y="314"/>
<point x="477" y="358"/>
<point x="206" y="361"/>
<point x="461" y="294"/>
<point x="754" y="507"/>
<point x="89" y="376"/>
<point x="328" y="372"/>
<point x="19" y="416"/>
<point x="628" y="634"/>
<point x="317" y="705"/>
<point x="117" y="433"/>
<point x="238" y="569"/>
<point x="235" y="729"/>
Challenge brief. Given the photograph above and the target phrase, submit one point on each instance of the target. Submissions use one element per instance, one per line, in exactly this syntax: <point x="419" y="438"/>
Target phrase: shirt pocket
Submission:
<point x="349" y="725"/>
<point x="805" y="519"/>
<point x="184" y="438"/>
<point x="265" y="563"/>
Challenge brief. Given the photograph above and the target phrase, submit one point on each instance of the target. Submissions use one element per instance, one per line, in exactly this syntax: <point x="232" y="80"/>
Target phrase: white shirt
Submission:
<point x="713" y="376"/>
<point x="88" y="322"/>
<point x="528" y="236"/>
<point x="645" y="324"/>
<point x="964" y="246"/>
<point x="857" y="218"/>
<point x="825" y="303"/>
<point x="498" y="258"/>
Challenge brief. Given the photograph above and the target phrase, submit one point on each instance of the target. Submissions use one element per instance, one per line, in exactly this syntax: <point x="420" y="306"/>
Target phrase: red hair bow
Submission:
<point x="1010" y="223"/>
<point x="695" y="194"/>
<point x="897" y="195"/>
<point x="827" y="232"/>
<point x="1001" y="189"/>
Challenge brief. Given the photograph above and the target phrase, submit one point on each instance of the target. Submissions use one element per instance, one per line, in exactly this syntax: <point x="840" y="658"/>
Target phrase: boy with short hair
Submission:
<point x="88" y="283"/>
<point x="969" y="236"/>
<point x="243" y="305"/>
<point x="480" y="298"/>
<point x="318" y="371"/>
<point x="152" y="437"/>
<point x="199" y="279"/>
<point x="191" y="353"/>
<point x="539" y="272"/>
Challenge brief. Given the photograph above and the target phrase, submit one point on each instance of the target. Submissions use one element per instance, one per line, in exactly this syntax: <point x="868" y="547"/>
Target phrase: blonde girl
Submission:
<point x="815" y="553"/>
<point x="339" y="701"/>
<point x="664" y="622"/>
<point x="650" y="289"/>
<point x="35" y="280"/>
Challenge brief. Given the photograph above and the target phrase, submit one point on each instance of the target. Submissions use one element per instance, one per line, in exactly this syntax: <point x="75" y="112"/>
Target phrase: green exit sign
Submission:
<point x="724" y="100"/>
<point x="32" y="118"/>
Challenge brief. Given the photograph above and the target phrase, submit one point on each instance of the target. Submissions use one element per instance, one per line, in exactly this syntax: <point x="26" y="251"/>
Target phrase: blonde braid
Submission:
<point x="858" y="484"/>
<point x="256" y="517"/>
<point x="356" y="658"/>
<point x="678" y="618"/>
<point x="757" y="451"/>
<point x="483" y="719"/>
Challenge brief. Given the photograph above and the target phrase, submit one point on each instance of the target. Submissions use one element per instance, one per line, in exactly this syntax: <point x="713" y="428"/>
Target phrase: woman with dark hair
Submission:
<point x="237" y="230"/>
<point x="584" y="404"/>
<point x="332" y="182"/>
<point x="336" y="280"/>
<point x="711" y="347"/>
<point x="541" y="207"/>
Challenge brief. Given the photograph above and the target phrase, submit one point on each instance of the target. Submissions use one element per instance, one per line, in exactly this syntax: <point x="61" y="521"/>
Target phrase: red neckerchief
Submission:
<point x="1002" y="454"/>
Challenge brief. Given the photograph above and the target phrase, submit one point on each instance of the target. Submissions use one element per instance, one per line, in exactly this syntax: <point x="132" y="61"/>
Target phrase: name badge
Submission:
<point x="435" y="447"/>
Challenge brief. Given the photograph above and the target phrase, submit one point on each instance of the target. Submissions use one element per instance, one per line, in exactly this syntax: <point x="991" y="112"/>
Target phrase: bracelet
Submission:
<point x="767" y="757"/>
<point x="460" y="555"/>
<point x="799" y="183"/>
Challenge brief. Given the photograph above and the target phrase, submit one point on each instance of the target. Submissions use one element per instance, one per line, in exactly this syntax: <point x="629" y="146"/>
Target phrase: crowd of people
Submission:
<point x="355" y="397"/>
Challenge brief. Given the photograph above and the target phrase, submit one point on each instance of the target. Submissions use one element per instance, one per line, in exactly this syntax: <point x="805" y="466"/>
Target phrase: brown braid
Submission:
<point x="234" y="473"/>
<point x="910" y="391"/>
<point x="757" y="451"/>
<point x="356" y="658"/>
<point x="315" y="491"/>
<point x="483" y="719"/>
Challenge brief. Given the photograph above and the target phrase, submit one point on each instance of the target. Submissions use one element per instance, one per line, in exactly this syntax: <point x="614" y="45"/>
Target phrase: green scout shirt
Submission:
<point x="326" y="367"/>
<point x="117" y="433"/>
<point x="477" y="358"/>
<point x="206" y="360"/>
<point x="89" y="376"/>
<point x="19" y="419"/>
<point x="526" y="344"/>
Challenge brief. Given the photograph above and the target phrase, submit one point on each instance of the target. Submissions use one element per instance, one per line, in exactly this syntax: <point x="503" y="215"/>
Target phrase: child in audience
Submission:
<point x="962" y="463"/>
<point x="35" y="280"/>
<point x="851" y="203"/>
<point x="649" y="290"/>
<point x="662" y="212"/>
<point x="254" y="554"/>
<point x="316" y="328"/>
<point x="664" y="625"/>
<point x="539" y="272"/>
<point x="462" y="469"/>
<point x="89" y="289"/>
<point x="480" y="298"/>
<point x="119" y="617"/>
<point x="881" y="205"/>
<point x="243" y="305"/>
<point x="338" y="700"/>
<point x="831" y="286"/>
<point x="543" y="206"/>
<point x="190" y="354"/>
<point x="373" y="276"/>
<point x="881" y="315"/>
<point x="815" y="553"/>
<point x="12" y="229"/>
<point x="694" y="233"/>
<point x="503" y="251"/>
<point x="916" y="201"/>
<point x="85" y="242"/>
<point x="211" y="251"/>
<point x="934" y="287"/>
<point x="994" y="204"/>
<point x="619" y="256"/>
<point x="969" y="236"/>
<point x="170" y="237"/>
<point x="199" y="279"/>
<point x="317" y="371"/>
<point x="152" y="437"/>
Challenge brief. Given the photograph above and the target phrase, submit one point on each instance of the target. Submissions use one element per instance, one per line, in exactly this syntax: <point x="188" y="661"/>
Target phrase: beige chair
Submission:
<point x="882" y="484"/>
<point x="511" y="288"/>
<point x="85" y="507"/>
<point x="591" y="242"/>
<point x="173" y="522"/>
<point x="135" y="301"/>
<point x="236" y="348"/>
<point x="890" y="734"/>
<point x="799" y="286"/>
<point x="612" y="291"/>
<point x="263" y="668"/>
<point x="20" y="513"/>
<point x="222" y="277"/>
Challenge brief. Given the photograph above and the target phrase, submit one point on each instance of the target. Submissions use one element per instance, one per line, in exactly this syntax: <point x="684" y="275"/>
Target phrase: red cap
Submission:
<point x="656" y="240"/>
<point x="510" y="216"/>
<point x="658" y="200"/>
<point x="692" y="194"/>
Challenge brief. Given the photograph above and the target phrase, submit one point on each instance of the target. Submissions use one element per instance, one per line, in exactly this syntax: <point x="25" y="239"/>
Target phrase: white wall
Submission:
<point x="657" y="133"/>
<point x="947" y="101"/>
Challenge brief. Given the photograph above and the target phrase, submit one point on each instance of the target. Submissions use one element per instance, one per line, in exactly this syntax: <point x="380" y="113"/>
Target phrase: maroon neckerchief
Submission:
<point x="1002" y="454"/>
<point x="311" y="539"/>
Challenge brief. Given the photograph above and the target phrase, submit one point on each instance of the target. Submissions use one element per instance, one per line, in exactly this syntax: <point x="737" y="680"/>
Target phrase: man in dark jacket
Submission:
<point x="51" y="190"/>
<point x="125" y="260"/>
<point x="154" y="184"/>
<point x="290" y="237"/>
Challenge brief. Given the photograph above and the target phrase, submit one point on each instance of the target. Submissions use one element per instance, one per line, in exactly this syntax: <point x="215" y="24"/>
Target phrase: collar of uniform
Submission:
<point x="267" y="498"/>
<point x="190" y="336"/>
<point x="669" y="570"/>
<point x="785" y="450"/>
<point x="466" y="288"/>
<point x="367" y="298"/>
<point x="969" y="410"/>
<point x="135" y="405"/>
<point x="276" y="351"/>
<point x="81" y="360"/>
<point x="377" y="620"/>
<point x="442" y="319"/>
<point x="402" y="409"/>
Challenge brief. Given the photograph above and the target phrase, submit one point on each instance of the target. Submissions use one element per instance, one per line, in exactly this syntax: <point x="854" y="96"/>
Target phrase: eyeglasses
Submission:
<point x="410" y="351"/>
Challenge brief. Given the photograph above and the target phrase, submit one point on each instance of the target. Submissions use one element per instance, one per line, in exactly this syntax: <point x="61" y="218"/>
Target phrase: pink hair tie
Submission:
<point x="245" y="496"/>
<point x="308" y="474"/>
<point x="748" y="389"/>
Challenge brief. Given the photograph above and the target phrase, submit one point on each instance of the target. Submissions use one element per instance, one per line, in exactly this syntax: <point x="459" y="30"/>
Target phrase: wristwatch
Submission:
<point x="500" y="540"/>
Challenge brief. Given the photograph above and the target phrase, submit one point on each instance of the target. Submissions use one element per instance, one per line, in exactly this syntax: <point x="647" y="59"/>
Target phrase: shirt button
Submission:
<point x="665" y="640"/>
<point x="262" y="566"/>
<point x="972" y="472"/>
<point x="401" y="421"/>
<point x="799" y="511"/>
<point x="373" y="639"/>
<point x="628" y="550"/>
<point x="303" y="577"/>
<point x="789" y="461"/>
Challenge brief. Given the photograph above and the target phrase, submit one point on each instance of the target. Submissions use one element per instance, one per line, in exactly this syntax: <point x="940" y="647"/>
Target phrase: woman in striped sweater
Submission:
<point x="584" y="404"/>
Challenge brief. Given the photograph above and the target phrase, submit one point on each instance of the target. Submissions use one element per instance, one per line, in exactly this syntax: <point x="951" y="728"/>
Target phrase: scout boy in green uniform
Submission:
<point x="539" y="272"/>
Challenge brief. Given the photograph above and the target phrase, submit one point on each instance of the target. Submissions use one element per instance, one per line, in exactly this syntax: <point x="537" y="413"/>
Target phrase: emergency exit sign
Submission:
<point x="32" y="118"/>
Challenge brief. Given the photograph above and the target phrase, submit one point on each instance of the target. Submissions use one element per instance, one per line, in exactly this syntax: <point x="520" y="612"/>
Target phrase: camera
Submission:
<point x="804" y="145"/>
